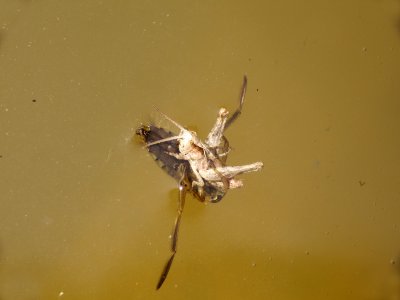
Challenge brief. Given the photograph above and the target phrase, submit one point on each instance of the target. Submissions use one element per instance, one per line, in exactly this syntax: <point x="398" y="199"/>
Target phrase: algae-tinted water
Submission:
<point x="86" y="214"/>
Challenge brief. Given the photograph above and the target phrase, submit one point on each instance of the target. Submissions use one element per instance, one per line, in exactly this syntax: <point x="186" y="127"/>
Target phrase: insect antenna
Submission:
<point x="163" y="140"/>
<point x="172" y="121"/>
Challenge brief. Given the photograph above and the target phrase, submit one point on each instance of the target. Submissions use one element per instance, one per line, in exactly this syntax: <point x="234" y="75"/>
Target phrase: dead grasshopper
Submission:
<point x="198" y="166"/>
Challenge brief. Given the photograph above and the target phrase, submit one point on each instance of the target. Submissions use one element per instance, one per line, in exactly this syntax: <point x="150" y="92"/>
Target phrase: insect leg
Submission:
<point x="238" y="111"/>
<point x="181" y="204"/>
<point x="213" y="139"/>
<point x="174" y="237"/>
<point x="229" y="171"/>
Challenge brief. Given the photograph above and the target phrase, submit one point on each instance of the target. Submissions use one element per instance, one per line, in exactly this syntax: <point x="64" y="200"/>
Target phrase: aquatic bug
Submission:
<point x="198" y="166"/>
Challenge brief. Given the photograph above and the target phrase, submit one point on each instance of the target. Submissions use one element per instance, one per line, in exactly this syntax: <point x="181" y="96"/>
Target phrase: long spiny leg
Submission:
<point x="181" y="204"/>
<point x="238" y="111"/>
<point x="174" y="237"/>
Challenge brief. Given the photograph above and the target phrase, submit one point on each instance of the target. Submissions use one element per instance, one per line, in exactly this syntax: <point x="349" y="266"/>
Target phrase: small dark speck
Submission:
<point x="1" y="156"/>
<point x="249" y="59"/>
<point x="257" y="90"/>
<point x="33" y="100"/>
<point x="362" y="183"/>
<point x="316" y="163"/>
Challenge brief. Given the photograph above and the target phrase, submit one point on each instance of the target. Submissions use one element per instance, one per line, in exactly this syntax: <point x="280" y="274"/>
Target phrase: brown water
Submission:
<point x="86" y="214"/>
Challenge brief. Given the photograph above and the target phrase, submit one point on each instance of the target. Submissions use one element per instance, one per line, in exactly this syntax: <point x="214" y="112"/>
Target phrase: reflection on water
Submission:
<point x="86" y="214"/>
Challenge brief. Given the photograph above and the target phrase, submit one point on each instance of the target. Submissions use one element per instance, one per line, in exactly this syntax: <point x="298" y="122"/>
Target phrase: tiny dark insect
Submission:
<point x="199" y="167"/>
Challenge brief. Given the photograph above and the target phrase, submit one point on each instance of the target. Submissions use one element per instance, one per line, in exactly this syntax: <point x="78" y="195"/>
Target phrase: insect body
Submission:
<point x="200" y="167"/>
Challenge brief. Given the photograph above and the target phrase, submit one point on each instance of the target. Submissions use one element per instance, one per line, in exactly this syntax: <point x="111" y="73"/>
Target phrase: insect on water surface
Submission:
<point x="198" y="166"/>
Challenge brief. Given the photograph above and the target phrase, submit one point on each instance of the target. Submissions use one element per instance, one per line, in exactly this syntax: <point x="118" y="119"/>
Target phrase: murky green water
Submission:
<point x="85" y="213"/>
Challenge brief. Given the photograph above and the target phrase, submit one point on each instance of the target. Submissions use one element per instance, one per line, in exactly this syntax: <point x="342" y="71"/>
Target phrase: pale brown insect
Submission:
<point x="199" y="167"/>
